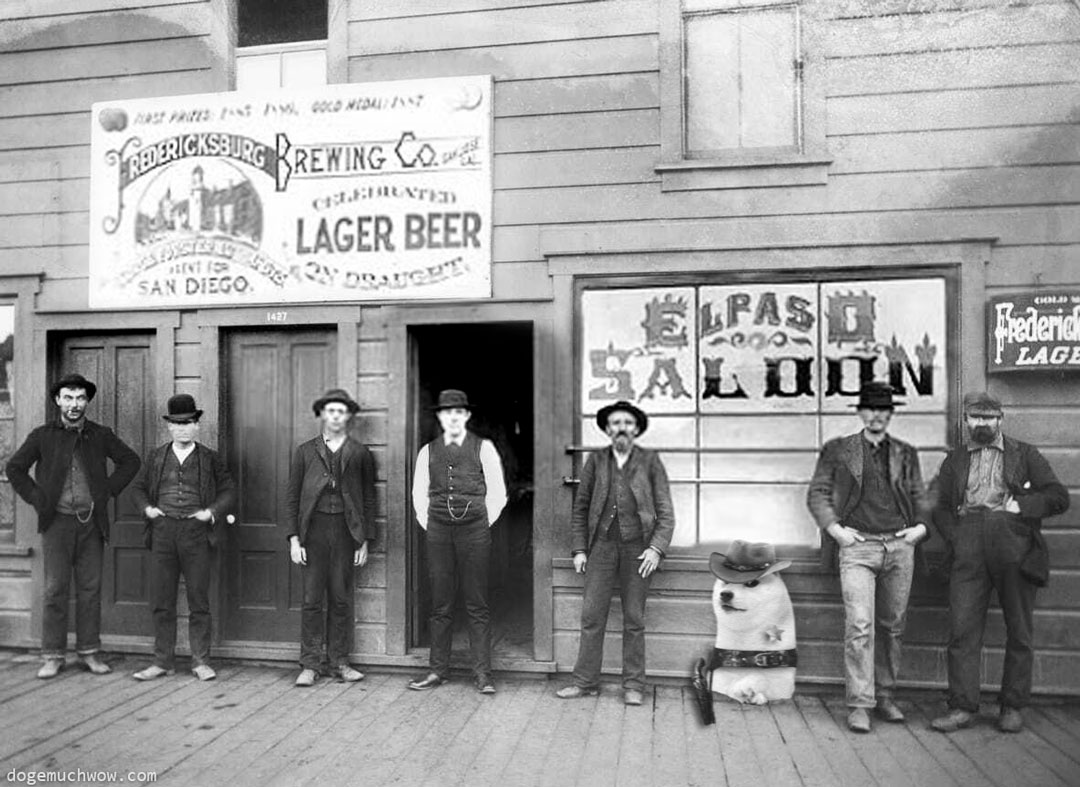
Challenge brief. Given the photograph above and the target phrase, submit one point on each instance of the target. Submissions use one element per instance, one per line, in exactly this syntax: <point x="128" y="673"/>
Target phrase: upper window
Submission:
<point x="281" y="44"/>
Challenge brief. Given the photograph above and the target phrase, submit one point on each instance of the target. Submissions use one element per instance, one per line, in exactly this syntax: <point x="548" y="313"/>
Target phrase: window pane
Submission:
<point x="258" y="72"/>
<point x="781" y="468"/>
<point x="684" y="501"/>
<point x="768" y="49"/>
<point x="712" y="82"/>
<point x="759" y="431"/>
<point x="280" y="21"/>
<point x="753" y="512"/>
<point x="304" y="68"/>
<point x="7" y="412"/>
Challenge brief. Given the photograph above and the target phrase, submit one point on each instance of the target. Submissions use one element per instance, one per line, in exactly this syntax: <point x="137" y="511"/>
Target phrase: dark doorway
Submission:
<point x="493" y="364"/>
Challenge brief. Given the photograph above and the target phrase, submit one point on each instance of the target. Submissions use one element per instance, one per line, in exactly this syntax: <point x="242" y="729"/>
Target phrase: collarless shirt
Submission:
<point x="495" y="499"/>
<point x="75" y="498"/>
<point x="986" y="477"/>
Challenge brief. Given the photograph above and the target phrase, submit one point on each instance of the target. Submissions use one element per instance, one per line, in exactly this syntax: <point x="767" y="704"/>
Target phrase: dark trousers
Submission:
<point x="180" y="546"/>
<point x="328" y="574"/>
<point x="987" y="550"/>
<point x="457" y="556"/>
<point x="613" y="563"/>
<point x="70" y="545"/>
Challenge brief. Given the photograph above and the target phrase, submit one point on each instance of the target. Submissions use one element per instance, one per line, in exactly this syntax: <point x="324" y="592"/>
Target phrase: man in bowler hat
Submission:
<point x="992" y="494"/>
<point x="184" y="491"/>
<point x="70" y="491"/>
<point x="329" y="523"/>
<point x="458" y="493"/>
<point x="867" y="495"/>
<point x="621" y="524"/>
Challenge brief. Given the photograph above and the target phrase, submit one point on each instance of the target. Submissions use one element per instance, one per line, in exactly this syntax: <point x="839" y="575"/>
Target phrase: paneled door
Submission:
<point x="122" y="366"/>
<point x="273" y="378"/>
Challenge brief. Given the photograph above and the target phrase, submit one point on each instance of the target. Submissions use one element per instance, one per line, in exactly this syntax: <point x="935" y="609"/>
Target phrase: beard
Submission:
<point x="983" y="435"/>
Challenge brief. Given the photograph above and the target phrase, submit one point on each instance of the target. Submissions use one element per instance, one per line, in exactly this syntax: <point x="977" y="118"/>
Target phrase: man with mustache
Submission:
<point x="867" y="495"/>
<point x="70" y="491"/>
<point x="992" y="494"/>
<point x="621" y="524"/>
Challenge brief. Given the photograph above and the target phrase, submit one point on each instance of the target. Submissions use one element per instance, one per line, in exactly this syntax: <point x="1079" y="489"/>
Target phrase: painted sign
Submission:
<point x="762" y="348"/>
<point x="351" y="192"/>
<point x="1034" y="331"/>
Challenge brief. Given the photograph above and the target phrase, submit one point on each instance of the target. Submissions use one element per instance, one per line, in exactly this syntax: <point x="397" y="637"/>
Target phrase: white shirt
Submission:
<point x="182" y="453"/>
<point x="495" y="500"/>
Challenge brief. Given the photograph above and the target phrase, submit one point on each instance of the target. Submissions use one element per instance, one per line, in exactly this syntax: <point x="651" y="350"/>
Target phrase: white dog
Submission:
<point x="755" y="656"/>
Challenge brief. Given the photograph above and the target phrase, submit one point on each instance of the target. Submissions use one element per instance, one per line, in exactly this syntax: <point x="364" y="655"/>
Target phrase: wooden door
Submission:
<point x="273" y="378"/>
<point x="122" y="366"/>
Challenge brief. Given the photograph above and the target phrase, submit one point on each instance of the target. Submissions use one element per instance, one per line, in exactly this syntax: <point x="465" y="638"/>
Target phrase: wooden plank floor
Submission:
<point x="252" y="727"/>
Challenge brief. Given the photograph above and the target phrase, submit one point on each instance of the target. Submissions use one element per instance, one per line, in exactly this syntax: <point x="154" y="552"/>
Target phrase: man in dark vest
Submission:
<point x="992" y="494"/>
<point x="330" y="523"/>
<point x="70" y="492"/>
<point x="458" y="493"/>
<point x="868" y="497"/>
<point x="621" y="525"/>
<point x="185" y="492"/>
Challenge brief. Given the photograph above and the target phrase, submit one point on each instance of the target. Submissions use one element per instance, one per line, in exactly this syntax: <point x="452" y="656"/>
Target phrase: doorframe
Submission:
<point x="399" y="514"/>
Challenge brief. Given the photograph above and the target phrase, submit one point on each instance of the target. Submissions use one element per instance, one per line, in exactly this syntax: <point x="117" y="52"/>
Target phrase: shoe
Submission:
<point x="432" y="681"/>
<point x="50" y="668"/>
<point x="633" y="697"/>
<point x="485" y="685"/>
<point x="348" y="674"/>
<point x="954" y="720"/>
<point x="1010" y="720"/>
<point x="203" y="672"/>
<point x="858" y="720"/>
<point x="152" y="672"/>
<point x="889" y="710"/>
<point x="95" y="665"/>
<point x="307" y="677"/>
<point x="573" y="692"/>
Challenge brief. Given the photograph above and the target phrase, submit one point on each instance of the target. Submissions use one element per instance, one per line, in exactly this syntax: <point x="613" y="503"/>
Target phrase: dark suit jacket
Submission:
<point x="50" y="447"/>
<point x="310" y="472"/>
<point x="649" y="484"/>
<point x="216" y="488"/>
<point x="1029" y="479"/>
<point x="836" y="487"/>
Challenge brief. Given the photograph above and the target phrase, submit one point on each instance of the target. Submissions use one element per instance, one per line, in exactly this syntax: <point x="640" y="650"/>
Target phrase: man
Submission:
<point x="184" y="492"/>
<point x="621" y="524"/>
<point x="329" y="523"/>
<point x="70" y="492"/>
<point x="867" y="494"/>
<point x="458" y="493"/>
<point x="992" y="494"/>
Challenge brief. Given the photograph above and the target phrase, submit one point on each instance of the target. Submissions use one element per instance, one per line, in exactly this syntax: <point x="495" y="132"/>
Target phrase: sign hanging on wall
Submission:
<point x="357" y="192"/>
<point x="1034" y="331"/>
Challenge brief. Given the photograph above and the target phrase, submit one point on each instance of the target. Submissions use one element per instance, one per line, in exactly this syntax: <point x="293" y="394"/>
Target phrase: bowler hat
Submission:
<point x="181" y="407"/>
<point x="624" y="406"/>
<point x="746" y="562"/>
<point x="452" y="398"/>
<point x="73" y="381"/>
<point x="339" y="395"/>
<point x="981" y="403"/>
<point x="876" y="396"/>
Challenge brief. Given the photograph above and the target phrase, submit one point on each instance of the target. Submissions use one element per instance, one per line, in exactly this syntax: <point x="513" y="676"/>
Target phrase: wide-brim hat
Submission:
<point x="877" y="396"/>
<point x="181" y="407"/>
<point x="982" y="403"/>
<point x="639" y="415"/>
<point x="452" y="398"/>
<point x="339" y="395"/>
<point x="73" y="381"/>
<point x="746" y="562"/>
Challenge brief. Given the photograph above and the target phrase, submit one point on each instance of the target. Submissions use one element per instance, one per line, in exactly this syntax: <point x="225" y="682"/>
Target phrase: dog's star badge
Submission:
<point x="774" y="634"/>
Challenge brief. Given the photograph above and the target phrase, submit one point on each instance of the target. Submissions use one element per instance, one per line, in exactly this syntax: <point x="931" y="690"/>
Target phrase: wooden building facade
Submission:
<point x="925" y="153"/>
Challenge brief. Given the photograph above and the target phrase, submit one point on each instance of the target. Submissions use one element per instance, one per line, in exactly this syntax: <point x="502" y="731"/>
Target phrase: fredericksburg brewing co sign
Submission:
<point x="1034" y="331"/>
<point x="348" y="192"/>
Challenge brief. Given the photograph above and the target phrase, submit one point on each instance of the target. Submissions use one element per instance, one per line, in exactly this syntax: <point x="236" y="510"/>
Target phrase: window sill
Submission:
<point x="743" y="172"/>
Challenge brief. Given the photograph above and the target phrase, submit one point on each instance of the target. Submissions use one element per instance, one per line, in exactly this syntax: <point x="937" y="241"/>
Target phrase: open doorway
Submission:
<point x="493" y="364"/>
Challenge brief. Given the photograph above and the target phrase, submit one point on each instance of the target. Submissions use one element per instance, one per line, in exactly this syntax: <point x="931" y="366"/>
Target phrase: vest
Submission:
<point x="178" y="494"/>
<point x="330" y="499"/>
<point x="620" y="520"/>
<point x="457" y="490"/>
<point x="877" y="510"/>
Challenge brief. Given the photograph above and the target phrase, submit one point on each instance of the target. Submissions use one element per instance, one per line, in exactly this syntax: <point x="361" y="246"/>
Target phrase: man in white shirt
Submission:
<point x="458" y="493"/>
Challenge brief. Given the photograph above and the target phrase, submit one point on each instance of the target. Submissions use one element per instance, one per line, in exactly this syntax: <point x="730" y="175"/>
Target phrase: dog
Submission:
<point x="754" y="660"/>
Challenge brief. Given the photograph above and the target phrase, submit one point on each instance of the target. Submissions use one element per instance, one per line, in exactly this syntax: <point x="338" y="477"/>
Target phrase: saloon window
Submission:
<point x="281" y="44"/>
<point x="744" y="383"/>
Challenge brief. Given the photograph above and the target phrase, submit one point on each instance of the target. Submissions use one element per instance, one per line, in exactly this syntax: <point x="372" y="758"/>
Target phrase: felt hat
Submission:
<point x="746" y="562"/>
<point x="876" y="396"/>
<point x="339" y="395"/>
<point x="982" y="403"/>
<point x="623" y="406"/>
<point x="73" y="381"/>
<point x="181" y="407"/>
<point x="452" y="398"/>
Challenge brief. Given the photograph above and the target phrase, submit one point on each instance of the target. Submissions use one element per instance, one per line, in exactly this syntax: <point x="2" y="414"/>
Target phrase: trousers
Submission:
<point x="71" y="546"/>
<point x="328" y="575"/>
<point x="180" y="547"/>
<point x="457" y="556"/>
